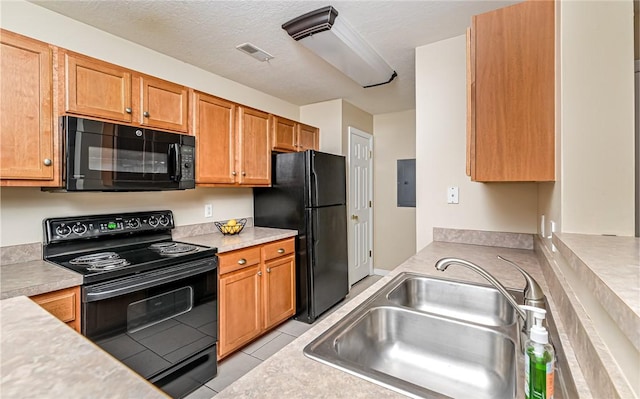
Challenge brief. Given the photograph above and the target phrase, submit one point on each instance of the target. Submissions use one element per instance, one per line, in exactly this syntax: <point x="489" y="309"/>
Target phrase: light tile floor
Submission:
<point x="241" y="362"/>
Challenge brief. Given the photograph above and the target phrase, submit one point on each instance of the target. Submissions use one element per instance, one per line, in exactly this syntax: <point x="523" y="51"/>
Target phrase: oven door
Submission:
<point x="104" y="156"/>
<point x="162" y="324"/>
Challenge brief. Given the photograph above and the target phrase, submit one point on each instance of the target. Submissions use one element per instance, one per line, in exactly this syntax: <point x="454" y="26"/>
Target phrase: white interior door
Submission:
<point x="360" y="205"/>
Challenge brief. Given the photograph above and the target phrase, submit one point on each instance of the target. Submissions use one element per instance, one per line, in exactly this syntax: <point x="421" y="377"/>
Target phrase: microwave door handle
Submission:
<point x="174" y="156"/>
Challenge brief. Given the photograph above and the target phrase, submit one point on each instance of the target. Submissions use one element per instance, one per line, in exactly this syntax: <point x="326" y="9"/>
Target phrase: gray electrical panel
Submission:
<point x="407" y="183"/>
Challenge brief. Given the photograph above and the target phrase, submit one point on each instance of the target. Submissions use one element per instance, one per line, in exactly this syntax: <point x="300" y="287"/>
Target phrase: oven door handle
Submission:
<point x="128" y="285"/>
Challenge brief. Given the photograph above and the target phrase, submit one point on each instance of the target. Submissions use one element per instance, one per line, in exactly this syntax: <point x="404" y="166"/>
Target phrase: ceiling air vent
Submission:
<point x="254" y="51"/>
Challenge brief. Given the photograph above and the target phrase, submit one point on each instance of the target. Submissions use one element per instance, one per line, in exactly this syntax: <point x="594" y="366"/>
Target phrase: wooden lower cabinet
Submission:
<point x="240" y="310"/>
<point x="257" y="292"/>
<point x="279" y="290"/>
<point x="63" y="304"/>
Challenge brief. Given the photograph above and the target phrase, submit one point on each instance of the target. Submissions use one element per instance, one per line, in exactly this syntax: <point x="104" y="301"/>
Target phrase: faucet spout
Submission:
<point x="444" y="263"/>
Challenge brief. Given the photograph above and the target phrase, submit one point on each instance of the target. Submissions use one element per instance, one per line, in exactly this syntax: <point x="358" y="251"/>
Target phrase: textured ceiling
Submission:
<point x="205" y="34"/>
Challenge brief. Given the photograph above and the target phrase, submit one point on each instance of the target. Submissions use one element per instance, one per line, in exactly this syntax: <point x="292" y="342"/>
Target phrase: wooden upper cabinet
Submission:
<point x="284" y="133"/>
<point x="254" y="152"/>
<point x="163" y="105"/>
<point x="308" y="137"/>
<point x="233" y="143"/>
<point x="290" y="136"/>
<point x="96" y="88"/>
<point x="26" y="112"/>
<point x="511" y="104"/>
<point x="214" y="128"/>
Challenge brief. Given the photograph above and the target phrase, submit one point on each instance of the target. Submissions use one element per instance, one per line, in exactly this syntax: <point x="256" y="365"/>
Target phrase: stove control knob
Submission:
<point x="153" y="221"/>
<point x="164" y="220"/>
<point x="79" y="228"/>
<point x="63" y="230"/>
<point x="133" y="223"/>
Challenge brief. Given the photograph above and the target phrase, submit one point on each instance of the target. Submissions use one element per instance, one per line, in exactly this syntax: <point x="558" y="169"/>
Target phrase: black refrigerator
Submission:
<point x="308" y="194"/>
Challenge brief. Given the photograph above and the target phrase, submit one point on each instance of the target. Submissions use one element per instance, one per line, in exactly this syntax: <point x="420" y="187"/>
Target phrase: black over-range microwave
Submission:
<point x="104" y="156"/>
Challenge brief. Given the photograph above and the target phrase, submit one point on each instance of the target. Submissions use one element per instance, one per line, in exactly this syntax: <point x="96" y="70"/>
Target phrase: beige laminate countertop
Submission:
<point x="35" y="277"/>
<point x="41" y="357"/>
<point x="290" y="374"/>
<point x="249" y="236"/>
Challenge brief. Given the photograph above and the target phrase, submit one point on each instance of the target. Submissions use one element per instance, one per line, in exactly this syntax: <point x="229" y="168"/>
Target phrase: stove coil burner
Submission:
<point x="173" y="248"/>
<point x="101" y="261"/>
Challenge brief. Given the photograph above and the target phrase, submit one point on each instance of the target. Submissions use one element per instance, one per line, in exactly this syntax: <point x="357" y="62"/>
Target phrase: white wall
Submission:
<point x="23" y="209"/>
<point x="395" y="233"/>
<point x="597" y="124"/>
<point x="441" y="149"/>
<point x="327" y="116"/>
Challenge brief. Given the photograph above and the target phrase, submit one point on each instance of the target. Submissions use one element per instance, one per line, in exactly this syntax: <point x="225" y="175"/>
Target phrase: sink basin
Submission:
<point x="427" y="353"/>
<point x="435" y="338"/>
<point x="476" y="303"/>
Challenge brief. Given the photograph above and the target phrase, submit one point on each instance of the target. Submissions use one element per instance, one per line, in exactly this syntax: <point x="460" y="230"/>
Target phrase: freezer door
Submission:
<point x="328" y="254"/>
<point x="326" y="176"/>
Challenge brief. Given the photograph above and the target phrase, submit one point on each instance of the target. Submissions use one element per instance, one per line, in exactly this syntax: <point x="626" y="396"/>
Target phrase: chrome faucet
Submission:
<point x="533" y="295"/>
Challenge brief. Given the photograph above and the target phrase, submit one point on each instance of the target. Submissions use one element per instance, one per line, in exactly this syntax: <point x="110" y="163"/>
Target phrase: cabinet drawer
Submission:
<point x="279" y="248"/>
<point x="239" y="259"/>
<point x="61" y="304"/>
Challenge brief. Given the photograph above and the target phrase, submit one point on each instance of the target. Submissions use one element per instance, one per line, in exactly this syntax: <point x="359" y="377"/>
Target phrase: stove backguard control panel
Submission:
<point x="74" y="228"/>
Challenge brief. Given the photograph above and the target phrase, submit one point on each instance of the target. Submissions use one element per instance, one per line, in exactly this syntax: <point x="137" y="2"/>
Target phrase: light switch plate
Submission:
<point x="452" y="195"/>
<point x="208" y="210"/>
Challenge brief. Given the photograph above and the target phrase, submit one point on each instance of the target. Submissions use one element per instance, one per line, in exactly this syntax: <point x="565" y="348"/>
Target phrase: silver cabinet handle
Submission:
<point x="260" y="273"/>
<point x="146" y="114"/>
<point x="47" y="162"/>
<point x="242" y="261"/>
<point x="268" y="270"/>
<point x="127" y="110"/>
<point x="281" y="250"/>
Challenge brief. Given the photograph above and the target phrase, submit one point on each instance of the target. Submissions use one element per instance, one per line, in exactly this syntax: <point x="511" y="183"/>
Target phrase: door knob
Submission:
<point x="354" y="217"/>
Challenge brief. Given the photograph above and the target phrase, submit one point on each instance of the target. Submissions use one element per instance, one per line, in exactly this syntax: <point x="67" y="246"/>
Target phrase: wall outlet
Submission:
<point x="208" y="210"/>
<point x="452" y="195"/>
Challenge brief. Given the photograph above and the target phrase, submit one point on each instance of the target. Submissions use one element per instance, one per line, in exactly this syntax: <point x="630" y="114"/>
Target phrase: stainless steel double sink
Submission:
<point x="429" y="337"/>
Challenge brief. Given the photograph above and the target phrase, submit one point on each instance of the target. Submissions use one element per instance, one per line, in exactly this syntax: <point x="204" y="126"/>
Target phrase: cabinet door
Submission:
<point x="63" y="304"/>
<point x="215" y="137"/>
<point x="26" y="127"/>
<point x="514" y="93"/>
<point x="164" y="104"/>
<point x="96" y="88"/>
<point x="308" y="137"/>
<point x="284" y="134"/>
<point x="240" y="315"/>
<point x="279" y="290"/>
<point x="254" y="155"/>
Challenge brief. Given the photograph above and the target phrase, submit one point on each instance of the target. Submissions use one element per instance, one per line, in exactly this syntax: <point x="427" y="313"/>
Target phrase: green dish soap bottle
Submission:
<point x="539" y="359"/>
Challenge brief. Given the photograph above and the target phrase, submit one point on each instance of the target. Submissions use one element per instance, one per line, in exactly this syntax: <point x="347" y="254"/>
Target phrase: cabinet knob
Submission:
<point x="281" y="250"/>
<point x="260" y="273"/>
<point x="242" y="261"/>
<point x="47" y="162"/>
<point x="146" y="114"/>
<point x="244" y="173"/>
<point x="127" y="110"/>
<point x="233" y="173"/>
<point x="268" y="270"/>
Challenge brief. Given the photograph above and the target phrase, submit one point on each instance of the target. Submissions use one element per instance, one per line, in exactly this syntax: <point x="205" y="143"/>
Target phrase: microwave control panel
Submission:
<point x="188" y="165"/>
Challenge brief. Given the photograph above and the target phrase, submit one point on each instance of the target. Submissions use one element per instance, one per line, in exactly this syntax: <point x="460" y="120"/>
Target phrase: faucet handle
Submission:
<point x="533" y="294"/>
